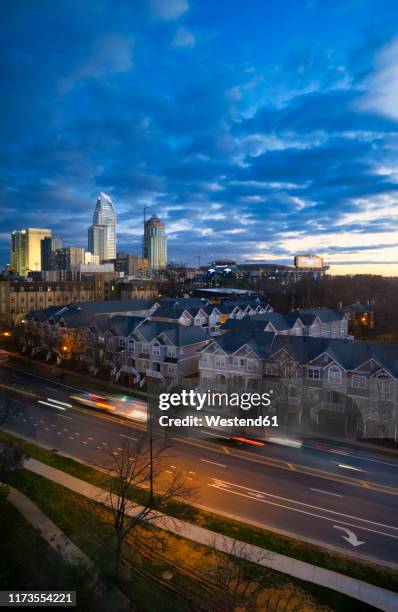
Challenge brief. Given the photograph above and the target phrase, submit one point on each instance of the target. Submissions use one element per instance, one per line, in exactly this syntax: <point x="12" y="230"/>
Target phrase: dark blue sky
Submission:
<point x="254" y="129"/>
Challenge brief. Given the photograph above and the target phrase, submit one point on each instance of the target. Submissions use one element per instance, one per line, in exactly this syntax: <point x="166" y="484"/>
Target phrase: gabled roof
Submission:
<point x="305" y="349"/>
<point x="179" y="335"/>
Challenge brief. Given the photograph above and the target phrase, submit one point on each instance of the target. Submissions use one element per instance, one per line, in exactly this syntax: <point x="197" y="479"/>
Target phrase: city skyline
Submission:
<point x="252" y="136"/>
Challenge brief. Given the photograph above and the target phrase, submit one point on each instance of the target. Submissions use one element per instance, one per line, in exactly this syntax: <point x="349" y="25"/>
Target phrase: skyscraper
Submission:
<point x="69" y="257"/>
<point x="48" y="247"/>
<point x="97" y="235"/>
<point x="102" y="233"/>
<point x="26" y="250"/>
<point x="155" y="243"/>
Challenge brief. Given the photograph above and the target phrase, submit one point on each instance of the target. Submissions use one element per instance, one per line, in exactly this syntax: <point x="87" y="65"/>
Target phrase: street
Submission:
<point x="346" y="499"/>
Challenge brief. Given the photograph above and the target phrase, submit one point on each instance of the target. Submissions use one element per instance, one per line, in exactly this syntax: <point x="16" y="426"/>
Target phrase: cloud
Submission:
<point x="111" y="54"/>
<point x="381" y="86"/>
<point x="169" y="10"/>
<point x="183" y="38"/>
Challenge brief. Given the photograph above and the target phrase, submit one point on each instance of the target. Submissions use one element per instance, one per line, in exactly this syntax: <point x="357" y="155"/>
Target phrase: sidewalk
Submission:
<point x="357" y="589"/>
<point x="62" y="545"/>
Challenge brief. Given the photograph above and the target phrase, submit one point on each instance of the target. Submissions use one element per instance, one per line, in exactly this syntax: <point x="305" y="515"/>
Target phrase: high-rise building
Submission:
<point x="26" y="250"/>
<point x="155" y="243"/>
<point x="97" y="241"/>
<point x="102" y="233"/>
<point x="49" y="245"/>
<point x="69" y="257"/>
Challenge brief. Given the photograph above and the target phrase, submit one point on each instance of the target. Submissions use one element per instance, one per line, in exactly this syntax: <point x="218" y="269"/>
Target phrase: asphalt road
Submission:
<point x="342" y="497"/>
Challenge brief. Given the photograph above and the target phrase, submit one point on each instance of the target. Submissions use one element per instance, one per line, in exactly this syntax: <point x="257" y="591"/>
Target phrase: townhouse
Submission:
<point x="129" y="346"/>
<point x="338" y="384"/>
<point x="317" y="322"/>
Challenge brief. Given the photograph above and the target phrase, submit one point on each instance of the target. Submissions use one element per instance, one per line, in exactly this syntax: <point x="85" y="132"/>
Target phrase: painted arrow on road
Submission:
<point x="351" y="538"/>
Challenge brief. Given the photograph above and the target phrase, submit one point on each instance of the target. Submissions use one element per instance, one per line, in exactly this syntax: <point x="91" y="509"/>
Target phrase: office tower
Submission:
<point x="154" y="244"/>
<point x="102" y="233"/>
<point x="26" y="250"/>
<point x="97" y="241"/>
<point x="69" y="257"/>
<point x="48" y="247"/>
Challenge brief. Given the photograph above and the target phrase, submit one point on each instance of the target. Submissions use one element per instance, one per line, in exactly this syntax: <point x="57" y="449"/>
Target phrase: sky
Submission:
<point x="255" y="129"/>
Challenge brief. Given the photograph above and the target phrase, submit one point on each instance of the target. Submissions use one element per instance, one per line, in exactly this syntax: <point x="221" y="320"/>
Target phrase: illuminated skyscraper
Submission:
<point x="102" y="233"/>
<point x="155" y="243"/>
<point x="26" y="250"/>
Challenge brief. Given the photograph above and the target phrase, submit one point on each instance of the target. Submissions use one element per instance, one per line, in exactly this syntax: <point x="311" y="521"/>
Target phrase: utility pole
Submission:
<point x="198" y="258"/>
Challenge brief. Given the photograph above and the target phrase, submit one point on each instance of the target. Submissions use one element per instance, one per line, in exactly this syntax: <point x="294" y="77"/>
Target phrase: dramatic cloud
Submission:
<point x="250" y="145"/>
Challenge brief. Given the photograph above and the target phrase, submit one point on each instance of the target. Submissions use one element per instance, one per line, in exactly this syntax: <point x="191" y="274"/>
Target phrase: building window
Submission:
<point x="334" y="376"/>
<point x="171" y="351"/>
<point x="156" y="350"/>
<point x="359" y="382"/>
<point x="314" y="373"/>
<point x="238" y="361"/>
<point x="252" y="365"/>
<point x="171" y="370"/>
<point x="219" y="362"/>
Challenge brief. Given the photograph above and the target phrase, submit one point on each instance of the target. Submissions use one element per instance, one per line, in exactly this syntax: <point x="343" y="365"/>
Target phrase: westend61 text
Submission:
<point x="218" y="421"/>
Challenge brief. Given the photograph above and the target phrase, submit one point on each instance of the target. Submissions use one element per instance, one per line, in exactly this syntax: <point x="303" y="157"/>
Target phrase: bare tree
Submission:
<point x="238" y="579"/>
<point x="73" y="342"/>
<point x="136" y="470"/>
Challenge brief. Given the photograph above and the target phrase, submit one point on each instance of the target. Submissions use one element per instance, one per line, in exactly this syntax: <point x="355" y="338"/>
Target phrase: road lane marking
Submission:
<point x="365" y="484"/>
<point x="129" y="437"/>
<point x="226" y="450"/>
<point x="351" y="537"/>
<point x="50" y="404"/>
<point x="325" y="518"/>
<point x="291" y="467"/>
<point x="50" y="399"/>
<point x="294" y="501"/>
<point x="213" y="463"/>
<point x="326" y="492"/>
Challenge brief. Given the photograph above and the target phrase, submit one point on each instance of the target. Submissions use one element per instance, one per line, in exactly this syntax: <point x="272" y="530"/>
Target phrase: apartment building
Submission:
<point x="325" y="381"/>
<point x="119" y="338"/>
<point x="18" y="297"/>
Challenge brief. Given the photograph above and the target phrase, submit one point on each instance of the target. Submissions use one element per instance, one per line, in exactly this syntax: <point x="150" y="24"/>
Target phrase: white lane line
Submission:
<point x="77" y="434"/>
<point x="213" y="463"/>
<point x="63" y="416"/>
<point x="210" y="433"/>
<point x="374" y="460"/>
<point x="129" y="437"/>
<point x="91" y="439"/>
<point x="50" y="404"/>
<point x="50" y="399"/>
<point x="52" y="389"/>
<point x="358" y="457"/>
<point x="294" y="501"/>
<point x="326" y="492"/>
<point x="47" y="428"/>
<point x="325" y="518"/>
